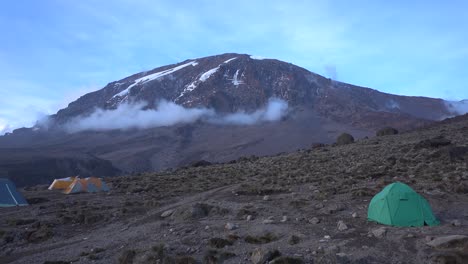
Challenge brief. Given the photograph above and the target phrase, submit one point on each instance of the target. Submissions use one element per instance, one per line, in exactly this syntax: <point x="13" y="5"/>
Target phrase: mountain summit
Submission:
<point x="215" y="108"/>
<point x="237" y="82"/>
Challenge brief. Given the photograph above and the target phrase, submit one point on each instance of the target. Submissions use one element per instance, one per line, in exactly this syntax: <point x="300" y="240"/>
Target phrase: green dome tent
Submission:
<point x="399" y="205"/>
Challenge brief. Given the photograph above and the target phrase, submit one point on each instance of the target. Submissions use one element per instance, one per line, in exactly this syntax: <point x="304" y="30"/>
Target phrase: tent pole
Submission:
<point x="16" y="202"/>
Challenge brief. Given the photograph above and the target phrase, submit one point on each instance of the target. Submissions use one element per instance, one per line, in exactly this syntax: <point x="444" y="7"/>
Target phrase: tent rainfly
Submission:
<point x="399" y="205"/>
<point x="61" y="184"/>
<point x="77" y="185"/>
<point x="9" y="196"/>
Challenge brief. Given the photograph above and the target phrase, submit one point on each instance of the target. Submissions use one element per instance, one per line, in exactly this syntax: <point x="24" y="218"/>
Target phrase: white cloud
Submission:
<point x="273" y="111"/>
<point x="3" y="127"/>
<point x="128" y="116"/>
<point x="458" y="108"/>
<point x="134" y="116"/>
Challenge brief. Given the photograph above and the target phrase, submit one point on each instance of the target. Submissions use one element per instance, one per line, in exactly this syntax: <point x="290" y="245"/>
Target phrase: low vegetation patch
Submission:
<point x="127" y="256"/>
<point x="246" y="189"/>
<point x="262" y="239"/>
<point x="215" y="256"/>
<point x="386" y="131"/>
<point x="219" y="242"/>
<point x="287" y="260"/>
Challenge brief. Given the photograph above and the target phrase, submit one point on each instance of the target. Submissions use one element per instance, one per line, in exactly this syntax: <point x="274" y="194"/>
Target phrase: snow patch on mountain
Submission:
<point x="153" y="76"/>
<point x="254" y="57"/>
<point x="187" y="89"/>
<point x="205" y="76"/>
<point x="230" y="60"/>
<point x="235" y="79"/>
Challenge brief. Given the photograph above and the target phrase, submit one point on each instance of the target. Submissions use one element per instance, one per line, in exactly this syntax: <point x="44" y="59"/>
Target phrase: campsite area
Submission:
<point x="309" y="206"/>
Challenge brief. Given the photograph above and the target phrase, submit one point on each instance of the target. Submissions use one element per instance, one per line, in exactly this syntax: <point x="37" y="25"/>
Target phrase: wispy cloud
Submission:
<point x="135" y="116"/>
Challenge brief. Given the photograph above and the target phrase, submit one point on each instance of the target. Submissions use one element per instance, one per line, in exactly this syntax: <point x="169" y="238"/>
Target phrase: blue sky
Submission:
<point x="51" y="52"/>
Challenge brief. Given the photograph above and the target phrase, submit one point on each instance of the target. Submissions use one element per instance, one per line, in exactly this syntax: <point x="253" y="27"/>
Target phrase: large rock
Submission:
<point x="344" y="139"/>
<point x="452" y="241"/>
<point x="436" y="142"/>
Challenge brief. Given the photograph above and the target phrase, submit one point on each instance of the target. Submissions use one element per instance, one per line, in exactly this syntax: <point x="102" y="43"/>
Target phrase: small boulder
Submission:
<point x="379" y="232"/>
<point x="167" y="213"/>
<point x="269" y="220"/>
<point x="344" y="139"/>
<point x="341" y="226"/>
<point x="456" y="222"/>
<point x="230" y="226"/>
<point x="314" y="220"/>
<point x="333" y="208"/>
<point x="319" y="206"/>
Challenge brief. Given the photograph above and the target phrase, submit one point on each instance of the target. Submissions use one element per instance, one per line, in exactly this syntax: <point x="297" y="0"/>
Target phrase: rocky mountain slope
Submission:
<point x="233" y="82"/>
<point x="309" y="206"/>
<point x="318" y="109"/>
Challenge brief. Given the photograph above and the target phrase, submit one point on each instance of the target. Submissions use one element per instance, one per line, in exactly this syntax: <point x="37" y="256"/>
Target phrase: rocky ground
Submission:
<point x="305" y="207"/>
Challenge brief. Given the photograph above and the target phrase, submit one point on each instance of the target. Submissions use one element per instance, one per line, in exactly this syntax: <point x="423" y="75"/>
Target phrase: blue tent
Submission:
<point x="9" y="196"/>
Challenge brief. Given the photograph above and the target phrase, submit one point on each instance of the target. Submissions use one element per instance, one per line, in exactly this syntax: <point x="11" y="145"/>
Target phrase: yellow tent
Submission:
<point x="61" y="184"/>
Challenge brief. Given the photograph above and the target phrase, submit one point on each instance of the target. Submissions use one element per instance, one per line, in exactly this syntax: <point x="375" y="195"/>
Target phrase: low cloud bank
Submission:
<point x="135" y="116"/>
<point x="459" y="108"/>
<point x="275" y="110"/>
<point x="392" y="104"/>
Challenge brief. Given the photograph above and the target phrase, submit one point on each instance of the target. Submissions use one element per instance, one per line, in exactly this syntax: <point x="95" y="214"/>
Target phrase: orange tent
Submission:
<point x="77" y="184"/>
